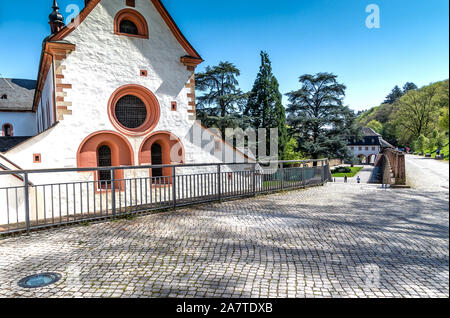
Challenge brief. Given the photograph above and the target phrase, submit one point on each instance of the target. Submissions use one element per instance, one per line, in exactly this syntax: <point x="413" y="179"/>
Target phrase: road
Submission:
<point x="427" y="174"/>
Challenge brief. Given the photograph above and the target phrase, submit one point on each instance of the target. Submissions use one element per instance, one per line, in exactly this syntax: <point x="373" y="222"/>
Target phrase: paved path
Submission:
<point x="427" y="173"/>
<point x="364" y="174"/>
<point x="333" y="241"/>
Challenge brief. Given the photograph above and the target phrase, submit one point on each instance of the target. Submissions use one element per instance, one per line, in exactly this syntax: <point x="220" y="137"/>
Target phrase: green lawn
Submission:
<point x="354" y="172"/>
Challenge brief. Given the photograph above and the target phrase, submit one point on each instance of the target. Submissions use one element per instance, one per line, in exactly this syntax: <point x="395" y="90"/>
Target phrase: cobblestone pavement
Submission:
<point x="333" y="241"/>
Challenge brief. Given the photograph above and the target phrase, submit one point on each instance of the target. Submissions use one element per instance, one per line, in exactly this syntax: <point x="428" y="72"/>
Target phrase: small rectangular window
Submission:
<point x="130" y="3"/>
<point x="37" y="158"/>
<point x="174" y="106"/>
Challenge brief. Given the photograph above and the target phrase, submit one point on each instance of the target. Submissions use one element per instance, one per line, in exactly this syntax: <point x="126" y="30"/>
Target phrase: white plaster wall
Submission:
<point x="24" y="124"/>
<point x="356" y="152"/>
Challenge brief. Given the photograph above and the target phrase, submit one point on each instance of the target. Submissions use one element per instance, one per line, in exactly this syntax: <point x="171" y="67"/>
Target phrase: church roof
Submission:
<point x="16" y="94"/>
<point x="7" y="143"/>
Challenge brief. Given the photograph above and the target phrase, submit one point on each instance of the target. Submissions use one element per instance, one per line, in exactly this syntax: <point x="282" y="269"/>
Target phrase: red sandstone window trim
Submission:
<point x="150" y="101"/>
<point x="135" y="17"/>
<point x="37" y="158"/>
<point x="11" y="129"/>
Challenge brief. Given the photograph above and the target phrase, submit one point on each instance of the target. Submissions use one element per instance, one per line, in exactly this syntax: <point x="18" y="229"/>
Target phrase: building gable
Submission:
<point x="192" y="55"/>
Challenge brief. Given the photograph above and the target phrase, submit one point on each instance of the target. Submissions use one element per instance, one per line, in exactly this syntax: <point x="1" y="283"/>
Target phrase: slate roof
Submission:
<point x="370" y="132"/>
<point x="7" y="143"/>
<point x="371" y="138"/>
<point x="16" y="94"/>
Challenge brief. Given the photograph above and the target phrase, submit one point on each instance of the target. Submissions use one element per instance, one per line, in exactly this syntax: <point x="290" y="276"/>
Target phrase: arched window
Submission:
<point x="131" y="23"/>
<point x="104" y="160"/>
<point x="128" y="27"/>
<point x="7" y="130"/>
<point x="131" y="112"/>
<point x="157" y="159"/>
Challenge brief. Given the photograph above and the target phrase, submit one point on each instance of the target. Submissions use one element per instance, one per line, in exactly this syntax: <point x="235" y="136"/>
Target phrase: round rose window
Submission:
<point x="131" y="112"/>
<point x="134" y="110"/>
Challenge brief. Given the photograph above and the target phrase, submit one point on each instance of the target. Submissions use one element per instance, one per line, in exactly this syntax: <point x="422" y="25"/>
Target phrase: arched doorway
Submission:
<point x="105" y="149"/>
<point x="371" y="159"/>
<point x="157" y="159"/>
<point x="104" y="160"/>
<point x="161" y="148"/>
<point x="362" y="159"/>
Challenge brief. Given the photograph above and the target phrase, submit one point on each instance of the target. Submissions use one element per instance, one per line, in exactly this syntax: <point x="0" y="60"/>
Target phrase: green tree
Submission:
<point x="264" y="107"/>
<point x="395" y="94"/>
<point x="409" y="86"/>
<point x="417" y="113"/>
<point x="421" y="143"/>
<point x="376" y="125"/>
<point x="444" y="106"/>
<point x="390" y="133"/>
<point x="222" y="102"/>
<point x="291" y="152"/>
<point x="444" y="120"/>
<point x="318" y="118"/>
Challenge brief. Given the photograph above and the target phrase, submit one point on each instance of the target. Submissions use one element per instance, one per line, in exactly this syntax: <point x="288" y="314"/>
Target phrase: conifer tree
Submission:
<point x="264" y="106"/>
<point x="222" y="101"/>
<point x="318" y="118"/>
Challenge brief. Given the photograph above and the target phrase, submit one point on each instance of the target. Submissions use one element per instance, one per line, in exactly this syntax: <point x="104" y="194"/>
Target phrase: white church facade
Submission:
<point x="116" y="87"/>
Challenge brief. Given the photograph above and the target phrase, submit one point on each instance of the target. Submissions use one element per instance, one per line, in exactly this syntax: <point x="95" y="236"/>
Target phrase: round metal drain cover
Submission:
<point x="39" y="280"/>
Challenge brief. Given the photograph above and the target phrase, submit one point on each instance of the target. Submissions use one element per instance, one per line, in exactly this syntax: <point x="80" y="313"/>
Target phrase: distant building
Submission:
<point x="368" y="148"/>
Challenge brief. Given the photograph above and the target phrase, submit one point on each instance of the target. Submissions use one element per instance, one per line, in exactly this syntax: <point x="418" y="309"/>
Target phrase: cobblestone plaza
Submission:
<point x="320" y="242"/>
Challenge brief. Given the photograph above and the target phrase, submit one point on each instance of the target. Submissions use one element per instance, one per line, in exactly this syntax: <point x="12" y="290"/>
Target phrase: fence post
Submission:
<point x="113" y="192"/>
<point x="304" y="175"/>
<point x="219" y="180"/>
<point x="174" y="188"/>
<point x="322" y="172"/>
<point x="254" y="179"/>
<point x="27" y="202"/>
<point x="282" y="175"/>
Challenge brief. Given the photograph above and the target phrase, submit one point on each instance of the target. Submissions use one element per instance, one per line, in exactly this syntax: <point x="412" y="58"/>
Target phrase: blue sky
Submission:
<point x="301" y="36"/>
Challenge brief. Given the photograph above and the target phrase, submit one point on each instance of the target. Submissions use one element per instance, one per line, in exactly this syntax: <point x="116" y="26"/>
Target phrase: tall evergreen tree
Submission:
<point x="264" y="106"/>
<point x="319" y="120"/>
<point x="395" y="94"/>
<point x="409" y="86"/>
<point x="222" y="103"/>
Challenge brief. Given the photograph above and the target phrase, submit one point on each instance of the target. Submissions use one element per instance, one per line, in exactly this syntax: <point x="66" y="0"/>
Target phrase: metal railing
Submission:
<point x="39" y="199"/>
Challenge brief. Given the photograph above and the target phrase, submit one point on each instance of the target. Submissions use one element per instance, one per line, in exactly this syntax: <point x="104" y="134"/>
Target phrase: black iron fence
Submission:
<point x="35" y="199"/>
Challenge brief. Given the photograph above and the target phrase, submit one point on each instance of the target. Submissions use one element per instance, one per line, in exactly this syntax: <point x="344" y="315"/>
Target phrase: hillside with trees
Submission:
<point x="413" y="117"/>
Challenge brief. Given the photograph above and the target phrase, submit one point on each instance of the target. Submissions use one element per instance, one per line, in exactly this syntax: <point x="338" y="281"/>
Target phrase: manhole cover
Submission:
<point x="39" y="280"/>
